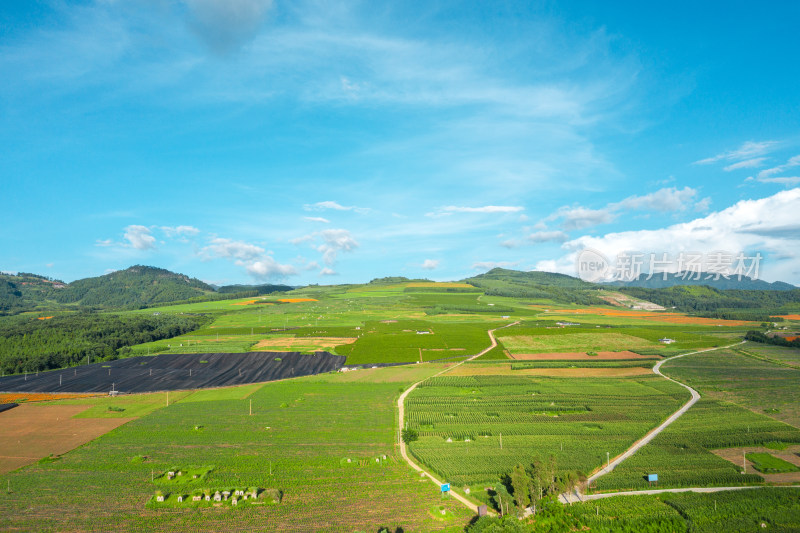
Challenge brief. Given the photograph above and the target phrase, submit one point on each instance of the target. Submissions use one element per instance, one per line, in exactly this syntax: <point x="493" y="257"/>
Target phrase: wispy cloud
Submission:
<point x="666" y="200"/>
<point x="483" y="209"/>
<point x="321" y="206"/>
<point x="329" y="243"/>
<point x="746" y="151"/>
<point x="318" y="219"/>
<point x="430" y="264"/>
<point x="768" y="175"/>
<point x="747" y="163"/>
<point x="548" y="236"/>
<point x="180" y="231"/>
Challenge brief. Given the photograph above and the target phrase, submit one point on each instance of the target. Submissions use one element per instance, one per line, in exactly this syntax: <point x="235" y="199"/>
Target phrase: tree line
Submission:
<point x="30" y="345"/>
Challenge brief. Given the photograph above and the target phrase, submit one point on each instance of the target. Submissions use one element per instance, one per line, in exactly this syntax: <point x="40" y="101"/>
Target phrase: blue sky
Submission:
<point x="246" y="141"/>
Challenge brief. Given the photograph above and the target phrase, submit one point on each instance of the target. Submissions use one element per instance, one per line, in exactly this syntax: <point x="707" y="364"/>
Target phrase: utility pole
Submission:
<point x="744" y="463"/>
<point x="167" y="398"/>
<point x="251" y="407"/>
<point x="608" y="460"/>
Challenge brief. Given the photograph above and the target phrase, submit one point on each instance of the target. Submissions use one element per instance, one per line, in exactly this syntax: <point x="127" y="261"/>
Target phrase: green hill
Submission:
<point x="539" y="285"/>
<point x="137" y="286"/>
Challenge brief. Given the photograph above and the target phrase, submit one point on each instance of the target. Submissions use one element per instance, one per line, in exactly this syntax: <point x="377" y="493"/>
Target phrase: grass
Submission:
<point x="769" y="464"/>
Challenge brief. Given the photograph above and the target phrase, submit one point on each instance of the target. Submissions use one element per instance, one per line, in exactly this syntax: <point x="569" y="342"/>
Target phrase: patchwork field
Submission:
<point x="581" y="356"/>
<point x="461" y="421"/>
<point x="755" y="377"/>
<point x="682" y="454"/>
<point x="573" y="342"/>
<point x="298" y="440"/>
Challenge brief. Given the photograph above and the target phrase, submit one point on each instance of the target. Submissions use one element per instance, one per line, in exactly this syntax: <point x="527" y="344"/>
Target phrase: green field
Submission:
<point x="298" y="440"/>
<point x="460" y="421"/>
<point x="736" y="376"/>
<point x="681" y="454"/>
<point x="769" y="464"/>
<point x="732" y="512"/>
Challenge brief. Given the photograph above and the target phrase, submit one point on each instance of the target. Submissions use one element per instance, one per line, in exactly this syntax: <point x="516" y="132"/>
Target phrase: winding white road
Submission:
<point x="577" y="496"/>
<point x="401" y="409"/>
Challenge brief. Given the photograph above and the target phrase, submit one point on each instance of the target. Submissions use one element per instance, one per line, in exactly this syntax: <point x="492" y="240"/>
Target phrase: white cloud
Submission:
<point x="267" y="267"/>
<point x="668" y="199"/>
<point x="548" y="236"/>
<point x="328" y="272"/>
<point x="510" y="243"/>
<point x="488" y="265"/>
<point x="180" y="231"/>
<point x="230" y="249"/>
<point x="747" y="150"/>
<point x="703" y="205"/>
<point x="104" y="242"/>
<point x="430" y="264"/>
<point x="139" y="237"/>
<point x="335" y="241"/>
<point x="321" y="206"/>
<point x="574" y="218"/>
<point x="767" y="225"/>
<point x="329" y="243"/>
<point x="748" y="163"/>
<point x="664" y="200"/>
<point x="256" y="261"/>
<point x="318" y="219"/>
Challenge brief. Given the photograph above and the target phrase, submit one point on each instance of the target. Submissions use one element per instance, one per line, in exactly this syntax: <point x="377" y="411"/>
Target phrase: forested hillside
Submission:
<point x="715" y="303"/>
<point x="137" y="286"/>
<point x="28" y="344"/>
<point x="547" y="285"/>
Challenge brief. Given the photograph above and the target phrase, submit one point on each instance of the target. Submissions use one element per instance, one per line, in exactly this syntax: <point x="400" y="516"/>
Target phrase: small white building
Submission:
<point x="665" y="340"/>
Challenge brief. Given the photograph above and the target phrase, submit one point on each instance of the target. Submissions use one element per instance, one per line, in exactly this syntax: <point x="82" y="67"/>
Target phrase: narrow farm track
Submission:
<point x="401" y="409"/>
<point x="577" y="496"/>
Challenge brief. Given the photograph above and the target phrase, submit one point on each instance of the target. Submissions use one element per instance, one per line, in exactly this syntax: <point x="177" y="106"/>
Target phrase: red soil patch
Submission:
<point x="580" y="356"/>
<point x="31" y="432"/>
<point x="296" y="300"/>
<point x="657" y="316"/>
<point x="787" y="317"/>
<point x="44" y="318"/>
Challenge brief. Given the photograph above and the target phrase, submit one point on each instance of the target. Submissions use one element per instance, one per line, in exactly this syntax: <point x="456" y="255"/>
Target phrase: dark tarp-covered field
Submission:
<point x="175" y="372"/>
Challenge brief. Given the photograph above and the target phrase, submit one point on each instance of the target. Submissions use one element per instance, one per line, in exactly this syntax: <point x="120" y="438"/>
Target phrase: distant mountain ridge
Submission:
<point x="658" y="281"/>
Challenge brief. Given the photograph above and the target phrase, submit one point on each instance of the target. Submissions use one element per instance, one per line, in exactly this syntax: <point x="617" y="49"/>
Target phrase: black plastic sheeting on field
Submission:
<point x="7" y="406"/>
<point x="175" y="372"/>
